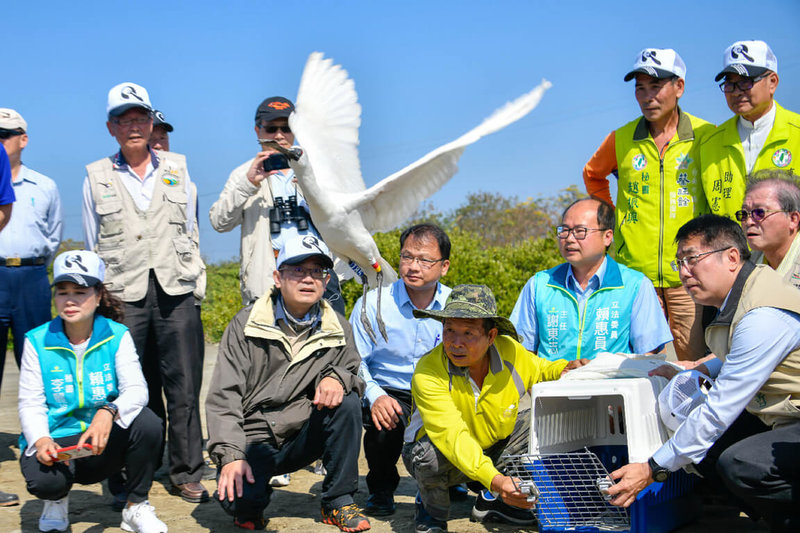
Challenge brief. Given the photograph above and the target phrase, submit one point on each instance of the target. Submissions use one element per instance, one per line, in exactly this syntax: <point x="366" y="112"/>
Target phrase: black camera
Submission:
<point x="287" y="211"/>
<point x="275" y="162"/>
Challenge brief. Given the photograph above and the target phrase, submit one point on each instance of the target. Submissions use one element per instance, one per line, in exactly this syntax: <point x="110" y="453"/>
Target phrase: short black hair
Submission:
<point x="605" y="212"/>
<point x="421" y="231"/>
<point x="716" y="232"/>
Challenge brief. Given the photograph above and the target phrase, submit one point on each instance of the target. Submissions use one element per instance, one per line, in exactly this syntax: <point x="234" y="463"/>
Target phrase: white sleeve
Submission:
<point x="227" y="211"/>
<point x="191" y="202"/>
<point x="132" y="386"/>
<point x="32" y="403"/>
<point x="91" y="221"/>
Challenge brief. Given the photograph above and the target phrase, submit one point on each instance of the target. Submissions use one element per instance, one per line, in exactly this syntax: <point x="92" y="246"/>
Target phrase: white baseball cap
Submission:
<point x="683" y="394"/>
<point x="748" y="58"/>
<point x="296" y="251"/>
<point x="658" y="63"/>
<point x="126" y="96"/>
<point x="11" y="120"/>
<point x="81" y="267"/>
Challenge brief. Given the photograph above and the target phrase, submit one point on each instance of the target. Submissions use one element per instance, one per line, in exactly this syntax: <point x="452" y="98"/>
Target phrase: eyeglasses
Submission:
<point x="274" y="129"/>
<point x="127" y="122"/>
<point x="424" y="264"/>
<point x="757" y="215"/>
<point x="745" y="84"/>
<point x="692" y="260"/>
<point x="579" y="232"/>
<point x="298" y="272"/>
<point x="7" y="134"/>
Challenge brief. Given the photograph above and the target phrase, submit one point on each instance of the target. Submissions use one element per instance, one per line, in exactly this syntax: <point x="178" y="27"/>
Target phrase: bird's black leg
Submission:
<point x="381" y="325"/>
<point x="363" y="317"/>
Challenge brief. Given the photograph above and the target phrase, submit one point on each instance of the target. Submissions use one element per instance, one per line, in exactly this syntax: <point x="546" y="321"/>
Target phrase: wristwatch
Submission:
<point x="112" y="408"/>
<point x="660" y="474"/>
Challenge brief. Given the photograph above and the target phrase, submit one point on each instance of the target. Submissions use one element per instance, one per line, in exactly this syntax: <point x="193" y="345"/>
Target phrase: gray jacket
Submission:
<point x="258" y="393"/>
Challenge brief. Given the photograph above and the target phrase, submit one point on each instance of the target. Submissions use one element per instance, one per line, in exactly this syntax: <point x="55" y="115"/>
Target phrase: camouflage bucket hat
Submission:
<point x="471" y="301"/>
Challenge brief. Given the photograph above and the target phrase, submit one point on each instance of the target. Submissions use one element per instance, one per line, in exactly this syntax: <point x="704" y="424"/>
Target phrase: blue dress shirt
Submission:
<point x="35" y="227"/>
<point x="391" y="364"/>
<point x="6" y="192"/>
<point x="282" y="185"/>
<point x="649" y="329"/>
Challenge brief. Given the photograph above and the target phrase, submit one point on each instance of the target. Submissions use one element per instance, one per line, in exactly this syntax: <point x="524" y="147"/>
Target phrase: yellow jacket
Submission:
<point x="460" y="425"/>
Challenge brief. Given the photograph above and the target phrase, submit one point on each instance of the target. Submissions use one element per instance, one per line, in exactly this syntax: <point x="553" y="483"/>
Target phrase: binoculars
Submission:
<point x="287" y="211"/>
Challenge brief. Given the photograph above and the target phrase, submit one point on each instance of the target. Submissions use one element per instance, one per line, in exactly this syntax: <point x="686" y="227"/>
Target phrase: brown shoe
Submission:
<point x="192" y="492"/>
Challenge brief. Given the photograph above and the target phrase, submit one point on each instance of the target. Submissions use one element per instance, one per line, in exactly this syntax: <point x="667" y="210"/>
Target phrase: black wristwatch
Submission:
<point x="112" y="408"/>
<point x="660" y="474"/>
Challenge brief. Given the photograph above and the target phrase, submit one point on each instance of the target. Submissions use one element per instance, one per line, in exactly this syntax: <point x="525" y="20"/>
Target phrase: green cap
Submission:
<point x="471" y="301"/>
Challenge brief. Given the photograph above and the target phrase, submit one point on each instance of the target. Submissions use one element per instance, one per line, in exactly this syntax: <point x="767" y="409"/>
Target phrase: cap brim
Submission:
<point x="750" y="71"/>
<point x="77" y="279"/>
<point x="300" y="258"/>
<point x="166" y="125"/>
<point x="117" y="111"/>
<point x="650" y="71"/>
<point x="503" y="325"/>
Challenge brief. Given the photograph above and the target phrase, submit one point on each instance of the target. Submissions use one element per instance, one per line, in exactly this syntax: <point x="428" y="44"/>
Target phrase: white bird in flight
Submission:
<point x="325" y="122"/>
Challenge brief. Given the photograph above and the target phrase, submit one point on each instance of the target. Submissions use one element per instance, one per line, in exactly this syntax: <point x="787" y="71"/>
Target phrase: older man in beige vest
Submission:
<point x="747" y="433"/>
<point x="139" y="216"/>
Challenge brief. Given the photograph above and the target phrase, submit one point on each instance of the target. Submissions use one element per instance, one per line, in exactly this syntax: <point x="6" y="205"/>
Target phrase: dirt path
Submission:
<point x="293" y="508"/>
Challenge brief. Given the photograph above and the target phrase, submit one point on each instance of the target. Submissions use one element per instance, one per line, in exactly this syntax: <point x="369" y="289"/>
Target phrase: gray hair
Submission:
<point x="785" y="184"/>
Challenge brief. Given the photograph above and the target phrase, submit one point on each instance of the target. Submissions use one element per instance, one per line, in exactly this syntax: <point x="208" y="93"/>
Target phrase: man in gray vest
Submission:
<point x="748" y="431"/>
<point x="139" y="216"/>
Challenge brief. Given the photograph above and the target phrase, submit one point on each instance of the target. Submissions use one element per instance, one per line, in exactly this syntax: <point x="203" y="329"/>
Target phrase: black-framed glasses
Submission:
<point x="7" y="134"/>
<point x="274" y="129"/>
<point x="580" y="232"/>
<point x="424" y="263"/>
<point x="127" y="122"/>
<point x="744" y="84"/>
<point x="756" y="215"/>
<point x="298" y="272"/>
<point x="692" y="260"/>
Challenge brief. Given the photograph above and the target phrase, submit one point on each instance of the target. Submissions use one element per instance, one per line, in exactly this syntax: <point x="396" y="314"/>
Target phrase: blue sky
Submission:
<point x="425" y="72"/>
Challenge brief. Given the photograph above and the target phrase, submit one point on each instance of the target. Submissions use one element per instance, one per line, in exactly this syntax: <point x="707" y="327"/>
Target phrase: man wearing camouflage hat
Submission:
<point x="452" y="437"/>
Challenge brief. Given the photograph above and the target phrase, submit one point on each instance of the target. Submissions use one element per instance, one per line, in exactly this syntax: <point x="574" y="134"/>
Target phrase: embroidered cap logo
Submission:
<point x="651" y="55"/>
<point x="741" y="49"/>
<point x="311" y="242"/>
<point x="75" y="260"/>
<point x="129" y="92"/>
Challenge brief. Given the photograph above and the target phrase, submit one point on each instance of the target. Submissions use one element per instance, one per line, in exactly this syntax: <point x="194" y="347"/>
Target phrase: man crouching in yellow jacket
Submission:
<point x="466" y="394"/>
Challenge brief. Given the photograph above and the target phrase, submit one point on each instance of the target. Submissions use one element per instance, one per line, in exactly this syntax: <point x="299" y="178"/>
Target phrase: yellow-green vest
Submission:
<point x="777" y="402"/>
<point x="724" y="169"/>
<point x="657" y="196"/>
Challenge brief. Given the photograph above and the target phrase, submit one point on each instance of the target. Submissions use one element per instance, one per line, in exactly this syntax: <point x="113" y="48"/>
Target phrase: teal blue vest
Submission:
<point x="603" y="325"/>
<point x="74" y="388"/>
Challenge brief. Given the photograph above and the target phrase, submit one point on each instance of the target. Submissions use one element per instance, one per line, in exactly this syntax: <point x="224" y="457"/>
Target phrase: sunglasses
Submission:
<point x="274" y="129"/>
<point x="757" y="215"/>
<point x="7" y="134"/>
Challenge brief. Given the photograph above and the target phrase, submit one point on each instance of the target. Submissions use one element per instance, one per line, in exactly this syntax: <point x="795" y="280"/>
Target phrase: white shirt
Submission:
<point x="753" y="357"/>
<point x="32" y="406"/>
<point x="754" y="136"/>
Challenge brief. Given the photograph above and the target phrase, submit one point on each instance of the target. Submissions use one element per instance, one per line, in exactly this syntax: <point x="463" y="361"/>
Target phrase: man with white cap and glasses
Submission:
<point x="139" y="216"/>
<point x="656" y="161"/>
<point x="761" y="135"/>
<point x="27" y="245"/>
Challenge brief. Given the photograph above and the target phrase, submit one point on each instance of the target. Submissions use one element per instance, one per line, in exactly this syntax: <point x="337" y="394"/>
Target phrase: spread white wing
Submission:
<point x="326" y="121"/>
<point x="392" y="200"/>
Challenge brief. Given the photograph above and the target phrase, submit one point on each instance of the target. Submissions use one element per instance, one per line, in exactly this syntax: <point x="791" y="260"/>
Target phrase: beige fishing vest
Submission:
<point x="133" y="242"/>
<point x="778" y="400"/>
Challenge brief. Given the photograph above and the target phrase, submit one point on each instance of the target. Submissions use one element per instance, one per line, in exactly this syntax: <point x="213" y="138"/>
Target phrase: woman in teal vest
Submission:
<point x="81" y="384"/>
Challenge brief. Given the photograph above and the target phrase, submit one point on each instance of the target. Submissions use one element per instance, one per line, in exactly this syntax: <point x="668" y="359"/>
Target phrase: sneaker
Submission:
<point x="380" y="504"/>
<point x="55" y="515"/>
<point x="489" y="507"/>
<point x="319" y="469"/>
<point x="425" y="523"/>
<point x="347" y="518"/>
<point x="253" y="524"/>
<point x="141" y="518"/>
<point x="280" y="481"/>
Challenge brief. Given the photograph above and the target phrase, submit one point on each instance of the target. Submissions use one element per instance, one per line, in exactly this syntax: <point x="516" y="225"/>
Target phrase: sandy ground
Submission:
<point x="293" y="508"/>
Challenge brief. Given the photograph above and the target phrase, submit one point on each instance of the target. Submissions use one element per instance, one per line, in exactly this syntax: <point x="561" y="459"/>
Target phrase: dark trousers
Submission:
<point x="165" y="331"/>
<point x="762" y="469"/>
<point x="132" y="448"/>
<point x="331" y="434"/>
<point x="382" y="447"/>
<point x="24" y="305"/>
